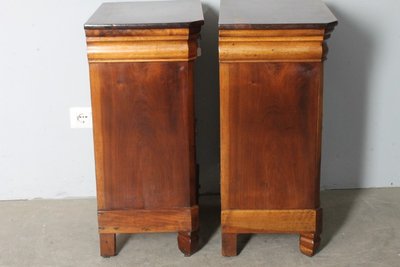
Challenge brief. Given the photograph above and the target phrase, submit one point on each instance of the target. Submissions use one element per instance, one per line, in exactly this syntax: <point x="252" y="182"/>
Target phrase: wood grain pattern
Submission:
<point x="108" y="246"/>
<point x="141" y="45"/>
<point x="229" y="244"/>
<point x="268" y="34"/>
<point x="188" y="242"/>
<point x="94" y="34"/>
<point x="270" y="135"/>
<point x="271" y="78"/>
<point x="309" y="243"/>
<point x="142" y="221"/>
<point x="141" y="73"/>
<point x="144" y="134"/>
<point x="270" y="221"/>
<point x="297" y="45"/>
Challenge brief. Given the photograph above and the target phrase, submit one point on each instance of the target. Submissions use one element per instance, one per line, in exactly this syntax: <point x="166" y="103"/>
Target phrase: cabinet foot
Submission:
<point x="107" y="245"/>
<point x="188" y="242"/>
<point x="309" y="243"/>
<point x="229" y="245"/>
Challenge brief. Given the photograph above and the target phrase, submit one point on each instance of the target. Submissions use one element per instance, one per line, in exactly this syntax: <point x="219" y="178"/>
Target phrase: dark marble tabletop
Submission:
<point x="266" y="14"/>
<point x="147" y="14"/>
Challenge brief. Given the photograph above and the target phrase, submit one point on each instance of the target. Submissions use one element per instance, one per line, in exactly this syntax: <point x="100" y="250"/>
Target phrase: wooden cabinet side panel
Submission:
<point x="144" y="134"/>
<point x="270" y="135"/>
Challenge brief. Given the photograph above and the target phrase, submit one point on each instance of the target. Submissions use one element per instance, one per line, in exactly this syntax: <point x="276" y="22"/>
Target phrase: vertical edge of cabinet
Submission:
<point x="192" y="136"/>
<point x="224" y="135"/>
<point x="97" y="138"/>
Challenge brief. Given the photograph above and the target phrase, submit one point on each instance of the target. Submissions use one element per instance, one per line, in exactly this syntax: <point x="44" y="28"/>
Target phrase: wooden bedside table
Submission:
<point x="141" y="57"/>
<point x="271" y="77"/>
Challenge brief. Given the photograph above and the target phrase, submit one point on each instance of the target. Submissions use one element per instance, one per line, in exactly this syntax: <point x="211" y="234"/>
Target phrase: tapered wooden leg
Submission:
<point x="188" y="242"/>
<point x="229" y="245"/>
<point x="309" y="243"/>
<point x="107" y="245"/>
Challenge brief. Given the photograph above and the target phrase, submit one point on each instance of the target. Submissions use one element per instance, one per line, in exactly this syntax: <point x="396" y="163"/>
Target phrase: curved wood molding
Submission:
<point x="298" y="45"/>
<point x="141" y="45"/>
<point x="309" y="243"/>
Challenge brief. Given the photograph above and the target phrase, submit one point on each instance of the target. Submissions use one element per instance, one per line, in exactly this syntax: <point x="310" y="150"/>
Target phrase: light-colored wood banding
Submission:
<point x="270" y="221"/>
<point x="272" y="45"/>
<point x="141" y="45"/>
<point x="144" y="221"/>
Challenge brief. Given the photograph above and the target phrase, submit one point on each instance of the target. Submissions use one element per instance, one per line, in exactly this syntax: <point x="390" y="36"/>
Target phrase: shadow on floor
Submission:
<point x="337" y="205"/>
<point x="243" y="239"/>
<point x="122" y="239"/>
<point x="210" y="210"/>
<point x="346" y="93"/>
<point x="210" y="221"/>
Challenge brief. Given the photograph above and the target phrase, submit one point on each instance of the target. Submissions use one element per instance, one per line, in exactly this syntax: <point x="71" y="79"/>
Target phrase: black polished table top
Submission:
<point x="147" y="14"/>
<point x="270" y="14"/>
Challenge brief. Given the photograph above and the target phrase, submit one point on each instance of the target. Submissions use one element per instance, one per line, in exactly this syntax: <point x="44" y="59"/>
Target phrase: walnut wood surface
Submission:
<point x="142" y="221"/>
<point x="309" y="243"/>
<point x="296" y="45"/>
<point x="270" y="135"/>
<point x="273" y="14"/>
<point x="147" y="14"/>
<point x="141" y="74"/>
<point x="144" y="134"/>
<point x="229" y="244"/>
<point x="188" y="242"/>
<point x="270" y="221"/>
<point x="108" y="246"/>
<point x="271" y="78"/>
<point x="142" y="45"/>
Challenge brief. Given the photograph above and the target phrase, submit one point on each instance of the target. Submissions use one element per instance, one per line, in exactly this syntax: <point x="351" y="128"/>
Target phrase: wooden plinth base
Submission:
<point x="307" y="223"/>
<point x="181" y="220"/>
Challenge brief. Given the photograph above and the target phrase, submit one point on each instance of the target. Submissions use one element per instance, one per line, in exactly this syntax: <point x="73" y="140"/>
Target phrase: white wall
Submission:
<point x="361" y="135"/>
<point x="43" y="72"/>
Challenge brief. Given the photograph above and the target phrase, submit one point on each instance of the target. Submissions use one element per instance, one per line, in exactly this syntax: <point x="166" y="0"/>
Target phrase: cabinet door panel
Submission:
<point x="143" y="125"/>
<point x="270" y="122"/>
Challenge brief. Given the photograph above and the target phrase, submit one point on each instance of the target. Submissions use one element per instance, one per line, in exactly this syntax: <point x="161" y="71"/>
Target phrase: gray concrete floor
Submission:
<point x="361" y="228"/>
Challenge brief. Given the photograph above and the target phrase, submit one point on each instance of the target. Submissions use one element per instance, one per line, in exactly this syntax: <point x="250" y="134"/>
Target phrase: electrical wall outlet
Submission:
<point x="81" y="117"/>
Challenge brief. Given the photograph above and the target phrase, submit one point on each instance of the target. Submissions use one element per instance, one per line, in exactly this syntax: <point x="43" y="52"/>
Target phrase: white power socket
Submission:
<point x="81" y="117"/>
